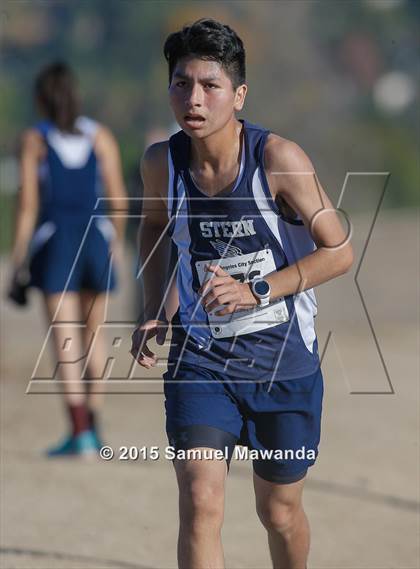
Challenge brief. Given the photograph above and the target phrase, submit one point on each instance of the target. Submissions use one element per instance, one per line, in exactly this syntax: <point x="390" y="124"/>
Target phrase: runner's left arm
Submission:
<point x="292" y="180"/>
<point x="107" y="150"/>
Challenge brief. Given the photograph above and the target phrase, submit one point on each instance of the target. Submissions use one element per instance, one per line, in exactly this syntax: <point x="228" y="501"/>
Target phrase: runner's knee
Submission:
<point x="201" y="500"/>
<point x="279" y="517"/>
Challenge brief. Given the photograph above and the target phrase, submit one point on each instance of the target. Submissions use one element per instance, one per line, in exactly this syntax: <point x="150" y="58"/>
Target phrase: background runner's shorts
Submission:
<point x="215" y="410"/>
<point x="71" y="259"/>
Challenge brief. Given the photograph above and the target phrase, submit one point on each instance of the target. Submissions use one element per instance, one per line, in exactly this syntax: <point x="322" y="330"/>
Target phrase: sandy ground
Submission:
<point x="361" y="497"/>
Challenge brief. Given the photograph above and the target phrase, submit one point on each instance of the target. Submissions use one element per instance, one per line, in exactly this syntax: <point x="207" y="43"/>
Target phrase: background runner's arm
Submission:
<point x="292" y="179"/>
<point x="108" y="153"/>
<point x="154" y="243"/>
<point x="32" y="150"/>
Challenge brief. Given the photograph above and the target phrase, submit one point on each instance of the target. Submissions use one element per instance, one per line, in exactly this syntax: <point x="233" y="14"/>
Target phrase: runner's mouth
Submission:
<point x="194" y="120"/>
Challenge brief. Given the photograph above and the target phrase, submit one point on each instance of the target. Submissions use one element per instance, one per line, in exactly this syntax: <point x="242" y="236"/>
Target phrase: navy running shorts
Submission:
<point x="278" y="422"/>
<point x="72" y="258"/>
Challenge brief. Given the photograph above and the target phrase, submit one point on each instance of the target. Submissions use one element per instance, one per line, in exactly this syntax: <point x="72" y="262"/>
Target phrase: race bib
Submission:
<point x="245" y="268"/>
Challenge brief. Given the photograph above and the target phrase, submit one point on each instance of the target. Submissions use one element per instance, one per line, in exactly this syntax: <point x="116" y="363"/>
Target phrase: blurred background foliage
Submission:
<point x="339" y="78"/>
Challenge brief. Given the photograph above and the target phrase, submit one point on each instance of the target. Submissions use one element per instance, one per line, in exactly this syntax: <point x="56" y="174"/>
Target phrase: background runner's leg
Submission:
<point x="63" y="312"/>
<point x="93" y="307"/>
<point x="64" y="309"/>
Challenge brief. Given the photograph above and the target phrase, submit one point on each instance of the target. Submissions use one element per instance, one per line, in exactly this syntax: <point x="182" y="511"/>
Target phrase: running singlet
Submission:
<point x="69" y="178"/>
<point x="248" y="236"/>
<point x="69" y="249"/>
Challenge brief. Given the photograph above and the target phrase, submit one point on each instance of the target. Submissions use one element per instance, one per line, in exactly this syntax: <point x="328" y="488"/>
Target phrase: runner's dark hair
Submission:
<point x="209" y="40"/>
<point x="55" y="92"/>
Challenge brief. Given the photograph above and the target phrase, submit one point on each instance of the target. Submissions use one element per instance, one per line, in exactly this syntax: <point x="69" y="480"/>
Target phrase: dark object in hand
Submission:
<point x="19" y="287"/>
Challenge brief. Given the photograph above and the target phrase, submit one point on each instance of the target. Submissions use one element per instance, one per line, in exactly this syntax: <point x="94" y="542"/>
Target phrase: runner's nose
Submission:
<point x="195" y="98"/>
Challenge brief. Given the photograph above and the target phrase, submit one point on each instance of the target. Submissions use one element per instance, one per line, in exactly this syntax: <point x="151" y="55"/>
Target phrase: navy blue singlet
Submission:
<point x="246" y="233"/>
<point x="69" y="250"/>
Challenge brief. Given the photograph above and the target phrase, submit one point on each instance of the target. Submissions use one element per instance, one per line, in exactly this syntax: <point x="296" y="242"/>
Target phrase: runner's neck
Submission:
<point x="221" y="173"/>
<point x="218" y="152"/>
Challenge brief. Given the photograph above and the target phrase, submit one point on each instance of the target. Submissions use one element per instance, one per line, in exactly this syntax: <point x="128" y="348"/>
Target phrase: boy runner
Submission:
<point x="255" y="232"/>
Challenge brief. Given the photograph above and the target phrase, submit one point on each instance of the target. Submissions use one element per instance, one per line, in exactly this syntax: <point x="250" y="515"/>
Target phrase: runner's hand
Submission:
<point x="223" y="290"/>
<point x="141" y="335"/>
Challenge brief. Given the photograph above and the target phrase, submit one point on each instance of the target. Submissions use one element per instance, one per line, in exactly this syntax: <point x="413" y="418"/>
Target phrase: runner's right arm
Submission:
<point x="32" y="151"/>
<point x="154" y="247"/>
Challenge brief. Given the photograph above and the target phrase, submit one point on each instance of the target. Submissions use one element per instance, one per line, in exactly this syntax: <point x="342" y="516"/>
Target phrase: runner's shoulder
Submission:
<point x="284" y="155"/>
<point x="156" y="156"/>
<point x="154" y="166"/>
<point x="31" y="141"/>
<point x="31" y="137"/>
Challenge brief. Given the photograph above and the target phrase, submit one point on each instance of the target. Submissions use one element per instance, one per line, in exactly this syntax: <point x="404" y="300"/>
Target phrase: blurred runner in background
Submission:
<point x="67" y="162"/>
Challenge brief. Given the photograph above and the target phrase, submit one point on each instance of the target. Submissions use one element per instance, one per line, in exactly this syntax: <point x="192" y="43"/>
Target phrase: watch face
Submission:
<point x="262" y="288"/>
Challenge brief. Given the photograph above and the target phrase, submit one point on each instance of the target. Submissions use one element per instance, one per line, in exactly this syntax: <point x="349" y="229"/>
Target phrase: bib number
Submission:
<point x="245" y="268"/>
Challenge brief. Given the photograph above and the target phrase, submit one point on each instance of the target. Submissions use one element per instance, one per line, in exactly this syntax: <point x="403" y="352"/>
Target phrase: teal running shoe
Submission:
<point x="64" y="448"/>
<point x="86" y="443"/>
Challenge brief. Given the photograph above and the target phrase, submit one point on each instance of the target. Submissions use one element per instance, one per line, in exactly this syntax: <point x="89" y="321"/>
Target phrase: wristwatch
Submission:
<point x="261" y="290"/>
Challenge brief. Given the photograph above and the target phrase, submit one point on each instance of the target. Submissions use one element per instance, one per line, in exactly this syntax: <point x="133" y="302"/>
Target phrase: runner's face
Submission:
<point x="202" y="96"/>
